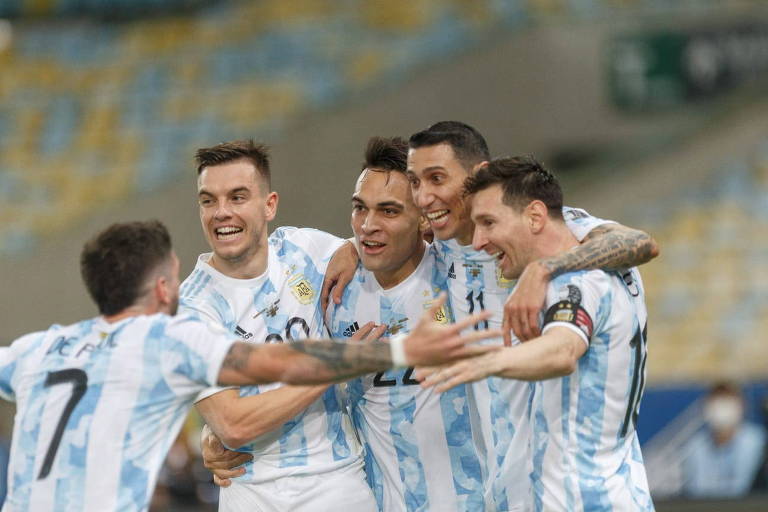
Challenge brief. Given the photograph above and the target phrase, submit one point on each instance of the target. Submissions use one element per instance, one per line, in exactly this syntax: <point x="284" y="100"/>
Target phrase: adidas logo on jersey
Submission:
<point x="451" y="272"/>
<point x="243" y="333"/>
<point x="352" y="329"/>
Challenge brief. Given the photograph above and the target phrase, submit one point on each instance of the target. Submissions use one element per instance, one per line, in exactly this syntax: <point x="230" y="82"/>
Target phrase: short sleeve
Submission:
<point x="320" y="245"/>
<point x="573" y="301"/>
<point x="580" y="222"/>
<point x="10" y="362"/>
<point x="196" y="351"/>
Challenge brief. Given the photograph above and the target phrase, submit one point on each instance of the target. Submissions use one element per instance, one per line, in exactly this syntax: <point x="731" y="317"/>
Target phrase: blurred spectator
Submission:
<point x="723" y="459"/>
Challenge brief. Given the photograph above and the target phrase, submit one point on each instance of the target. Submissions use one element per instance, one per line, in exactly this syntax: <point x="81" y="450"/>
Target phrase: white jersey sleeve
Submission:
<point x="11" y="359"/>
<point x="580" y="222"/>
<point x="205" y="347"/>
<point x="575" y="304"/>
<point x="318" y="244"/>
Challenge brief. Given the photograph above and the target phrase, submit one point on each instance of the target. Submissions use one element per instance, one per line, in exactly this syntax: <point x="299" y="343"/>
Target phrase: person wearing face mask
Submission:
<point x="723" y="458"/>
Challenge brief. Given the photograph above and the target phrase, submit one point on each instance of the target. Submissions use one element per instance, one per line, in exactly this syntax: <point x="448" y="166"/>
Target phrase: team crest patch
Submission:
<point x="502" y="281"/>
<point x="301" y="289"/>
<point x="441" y="315"/>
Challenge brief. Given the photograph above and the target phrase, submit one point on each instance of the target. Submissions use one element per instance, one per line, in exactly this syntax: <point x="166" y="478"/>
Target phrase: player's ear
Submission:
<point x="536" y="215"/>
<point x="270" y="206"/>
<point x="162" y="290"/>
<point x="479" y="166"/>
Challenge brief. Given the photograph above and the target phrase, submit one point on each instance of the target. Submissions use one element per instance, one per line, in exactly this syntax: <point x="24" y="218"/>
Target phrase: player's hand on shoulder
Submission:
<point x="338" y="274"/>
<point x="521" y="311"/>
<point x="222" y="462"/>
<point x="434" y="343"/>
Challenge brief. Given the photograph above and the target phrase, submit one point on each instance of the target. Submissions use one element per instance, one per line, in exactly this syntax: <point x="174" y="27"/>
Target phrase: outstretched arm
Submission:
<point x="554" y="354"/>
<point x="607" y="247"/>
<point x="322" y="361"/>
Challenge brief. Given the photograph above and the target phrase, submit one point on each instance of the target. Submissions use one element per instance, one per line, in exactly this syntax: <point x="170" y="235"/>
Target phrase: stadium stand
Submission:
<point x="94" y="112"/>
<point x="708" y="293"/>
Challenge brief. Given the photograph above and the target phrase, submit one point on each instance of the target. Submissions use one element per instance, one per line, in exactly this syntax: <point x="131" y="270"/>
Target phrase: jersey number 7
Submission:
<point x="79" y="381"/>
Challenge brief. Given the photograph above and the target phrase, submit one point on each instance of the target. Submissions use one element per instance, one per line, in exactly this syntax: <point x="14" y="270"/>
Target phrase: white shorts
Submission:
<point x="327" y="492"/>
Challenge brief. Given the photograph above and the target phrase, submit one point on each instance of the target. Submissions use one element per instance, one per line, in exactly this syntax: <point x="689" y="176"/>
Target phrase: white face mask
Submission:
<point x="723" y="413"/>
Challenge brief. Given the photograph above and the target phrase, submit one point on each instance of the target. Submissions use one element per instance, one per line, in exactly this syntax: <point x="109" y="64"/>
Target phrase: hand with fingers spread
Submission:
<point x="223" y="463"/>
<point x="470" y="369"/>
<point x="432" y="343"/>
<point x="340" y="271"/>
<point x="521" y="311"/>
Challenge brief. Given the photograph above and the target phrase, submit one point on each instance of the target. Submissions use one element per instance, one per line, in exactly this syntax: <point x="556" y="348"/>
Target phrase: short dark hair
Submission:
<point x="225" y="152"/>
<point x="117" y="261"/>
<point x="523" y="179"/>
<point x="467" y="143"/>
<point x="386" y="153"/>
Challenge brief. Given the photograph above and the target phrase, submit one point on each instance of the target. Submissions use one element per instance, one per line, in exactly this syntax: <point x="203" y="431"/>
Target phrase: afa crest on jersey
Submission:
<point x="441" y="315"/>
<point x="301" y="289"/>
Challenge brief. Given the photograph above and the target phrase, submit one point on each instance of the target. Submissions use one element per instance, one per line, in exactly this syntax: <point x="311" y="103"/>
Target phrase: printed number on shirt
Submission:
<point x="638" y="345"/>
<point x="471" y="299"/>
<point x="293" y="329"/>
<point x="380" y="382"/>
<point x="79" y="380"/>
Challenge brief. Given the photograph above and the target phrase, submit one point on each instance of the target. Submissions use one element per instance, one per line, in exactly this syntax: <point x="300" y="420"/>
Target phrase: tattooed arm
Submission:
<point x="321" y="361"/>
<point x="608" y="247"/>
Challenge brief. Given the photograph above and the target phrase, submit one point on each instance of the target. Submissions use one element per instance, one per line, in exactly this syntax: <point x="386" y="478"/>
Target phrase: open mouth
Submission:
<point x="227" y="232"/>
<point x="438" y="218"/>
<point x="372" y="247"/>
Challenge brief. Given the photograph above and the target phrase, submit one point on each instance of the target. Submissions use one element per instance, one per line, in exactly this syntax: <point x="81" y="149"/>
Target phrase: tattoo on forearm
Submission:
<point x="237" y="357"/>
<point x="345" y="360"/>
<point x="608" y="247"/>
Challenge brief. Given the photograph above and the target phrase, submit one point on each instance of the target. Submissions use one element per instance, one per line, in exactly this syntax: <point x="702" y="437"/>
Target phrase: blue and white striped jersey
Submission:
<point x="499" y="406"/>
<point x="419" y="451"/>
<point x="281" y="305"/>
<point x="98" y="406"/>
<point x="586" y="454"/>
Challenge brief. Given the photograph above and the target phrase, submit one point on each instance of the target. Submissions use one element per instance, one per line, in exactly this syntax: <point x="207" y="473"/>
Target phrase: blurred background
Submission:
<point x="652" y="112"/>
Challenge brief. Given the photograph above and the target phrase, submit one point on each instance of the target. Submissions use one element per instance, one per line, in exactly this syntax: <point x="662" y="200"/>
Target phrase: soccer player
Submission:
<point x="439" y="160"/>
<point x="586" y="454"/>
<point x="419" y="451"/>
<point x="266" y="289"/>
<point x="99" y="402"/>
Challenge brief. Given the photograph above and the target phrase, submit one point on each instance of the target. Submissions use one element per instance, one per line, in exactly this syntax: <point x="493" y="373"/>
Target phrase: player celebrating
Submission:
<point x="419" y="451"/>
<point x="99" y="402"/>
<point x="265" y="289"/>
<point x="439" y="160"/>
<point x="586" y="454"/>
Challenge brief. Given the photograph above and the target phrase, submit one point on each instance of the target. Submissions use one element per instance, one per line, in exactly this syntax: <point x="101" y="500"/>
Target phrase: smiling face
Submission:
<point x="502" y="230"/>
<point x="437" y="179"/>
<point x="386" y="225"/>
<point x="234" y="211"/>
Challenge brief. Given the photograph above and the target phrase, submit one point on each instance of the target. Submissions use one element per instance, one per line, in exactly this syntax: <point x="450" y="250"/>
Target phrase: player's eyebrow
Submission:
<point x="387" y="204"/>
<point x="236" y="190"/>
<point x="356" y="199"/>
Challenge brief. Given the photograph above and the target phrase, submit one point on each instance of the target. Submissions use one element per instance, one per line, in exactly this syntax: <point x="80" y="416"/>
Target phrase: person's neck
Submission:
<point x="465" y="232"/>
<point x="247" y="267"/>
<point x="390" y="279"/>
<point x="722" y="437"/>
<point x="136" y="310"/>
<point x="554" y="240"/>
